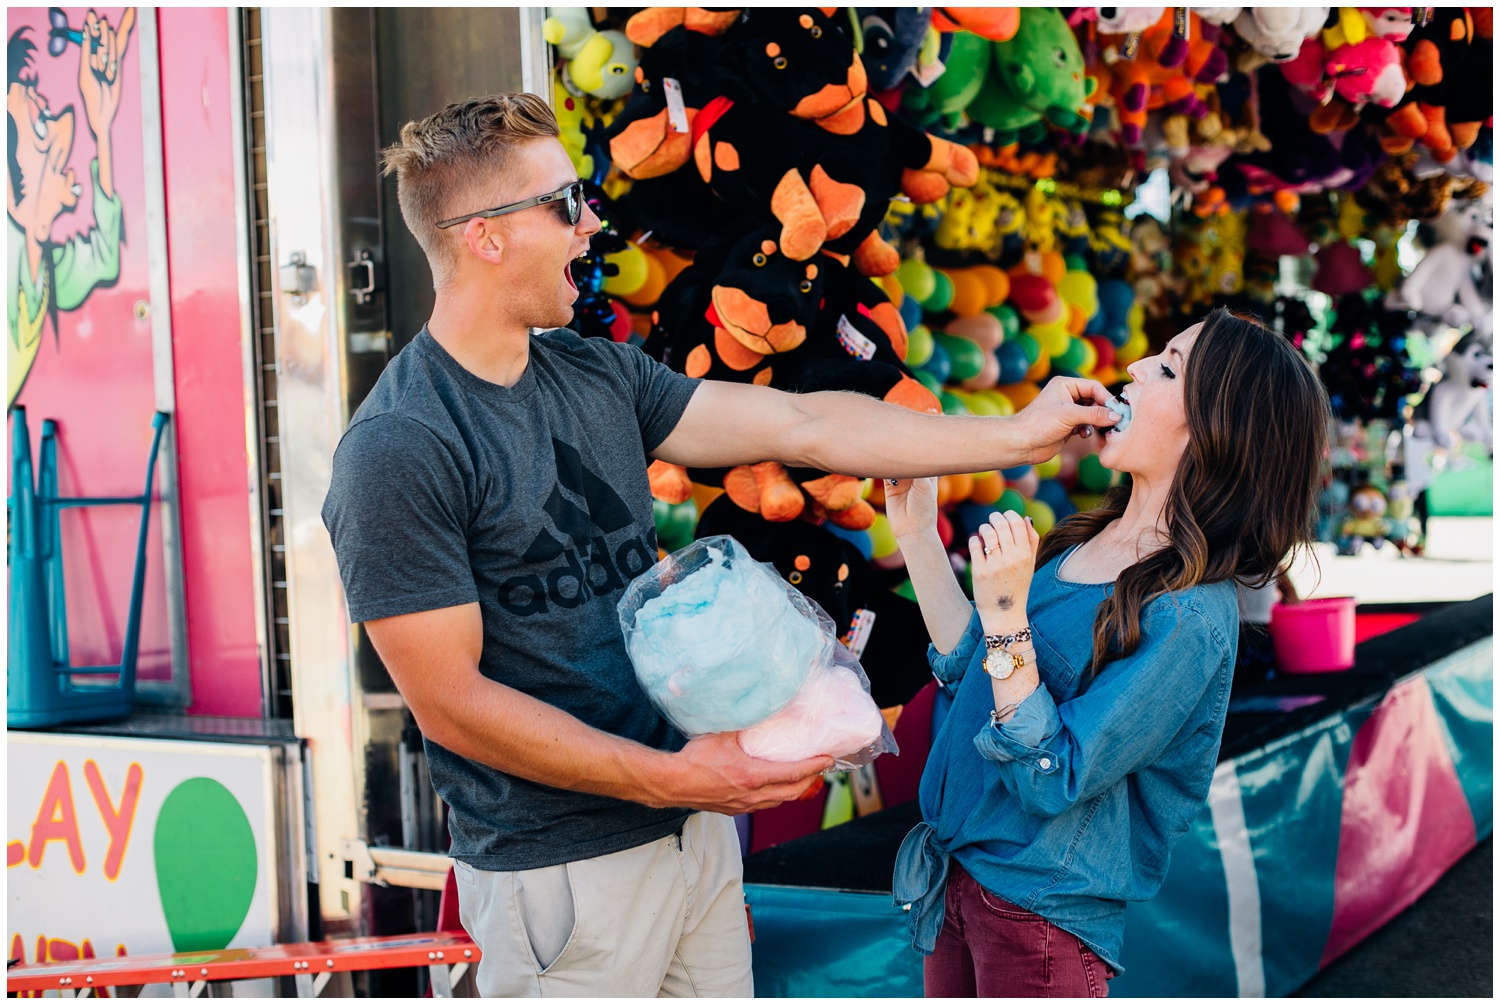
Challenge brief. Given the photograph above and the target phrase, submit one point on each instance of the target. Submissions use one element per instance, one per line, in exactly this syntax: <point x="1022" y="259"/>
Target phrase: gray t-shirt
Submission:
<point x="533" y="501"/>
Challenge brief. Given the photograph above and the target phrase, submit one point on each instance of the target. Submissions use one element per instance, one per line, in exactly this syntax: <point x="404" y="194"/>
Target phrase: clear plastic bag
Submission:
<point x="720" y="642"/>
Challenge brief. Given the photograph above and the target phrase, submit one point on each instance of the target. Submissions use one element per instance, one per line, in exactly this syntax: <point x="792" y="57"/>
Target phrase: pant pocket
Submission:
<point x="1005" y="910"/>
<point x="1097" y="973"/>
<point x="549" y="916"/>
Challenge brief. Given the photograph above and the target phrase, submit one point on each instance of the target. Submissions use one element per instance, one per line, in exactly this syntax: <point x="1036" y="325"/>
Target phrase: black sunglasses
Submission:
<point x="572" y="196"/>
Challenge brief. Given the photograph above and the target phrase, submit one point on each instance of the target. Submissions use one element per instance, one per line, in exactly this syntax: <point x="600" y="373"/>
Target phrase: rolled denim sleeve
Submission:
<point x="949" y="668"/>
<point x="1023" y="738"/>
<point x="1053" y="756"/>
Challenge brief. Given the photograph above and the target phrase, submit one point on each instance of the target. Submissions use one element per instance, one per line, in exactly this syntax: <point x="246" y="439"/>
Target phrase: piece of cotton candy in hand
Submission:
<point x="832" y="714"/>
<point x="723" y="647"/>
<point x="1121" y="408"/>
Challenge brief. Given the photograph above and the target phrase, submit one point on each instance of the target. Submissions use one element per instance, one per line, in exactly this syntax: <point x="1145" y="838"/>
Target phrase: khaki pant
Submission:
<point x="666" y="919"/>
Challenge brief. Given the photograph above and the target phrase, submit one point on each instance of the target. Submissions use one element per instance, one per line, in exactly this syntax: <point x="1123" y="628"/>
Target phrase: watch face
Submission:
<point x="999" y="665"/>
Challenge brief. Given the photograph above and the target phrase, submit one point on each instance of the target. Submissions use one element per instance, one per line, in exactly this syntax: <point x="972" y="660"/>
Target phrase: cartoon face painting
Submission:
<point x="49" y="276"/>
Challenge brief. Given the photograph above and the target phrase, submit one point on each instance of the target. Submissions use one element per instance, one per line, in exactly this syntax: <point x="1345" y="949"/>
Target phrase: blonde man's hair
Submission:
<point x="456" y="154"/>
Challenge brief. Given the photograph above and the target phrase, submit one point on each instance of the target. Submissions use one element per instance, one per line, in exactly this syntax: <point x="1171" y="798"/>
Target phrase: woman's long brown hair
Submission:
<point x="1242" y="501"/>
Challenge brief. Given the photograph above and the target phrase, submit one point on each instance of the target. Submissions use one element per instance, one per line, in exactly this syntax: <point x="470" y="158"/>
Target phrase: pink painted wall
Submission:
<point x="88" y="366"/>
<point x="212" y="461"/>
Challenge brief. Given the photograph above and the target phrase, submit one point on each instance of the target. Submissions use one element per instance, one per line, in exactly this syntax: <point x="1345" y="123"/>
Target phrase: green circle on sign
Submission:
<point x="205" y="865"/>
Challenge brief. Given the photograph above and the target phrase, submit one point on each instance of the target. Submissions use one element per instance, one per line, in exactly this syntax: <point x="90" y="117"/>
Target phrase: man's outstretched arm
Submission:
<point x="433" y="657"/>
<point x="727" y="424"/>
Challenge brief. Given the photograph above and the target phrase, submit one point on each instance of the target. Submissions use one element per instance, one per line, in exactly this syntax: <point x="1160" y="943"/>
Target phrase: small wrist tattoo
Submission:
<point x="1005" y="603"/>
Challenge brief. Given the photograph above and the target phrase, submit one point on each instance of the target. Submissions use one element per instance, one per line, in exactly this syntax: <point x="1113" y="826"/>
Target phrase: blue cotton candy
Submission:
<point x="719" y="641"/>
<point x="1121" y="408"/>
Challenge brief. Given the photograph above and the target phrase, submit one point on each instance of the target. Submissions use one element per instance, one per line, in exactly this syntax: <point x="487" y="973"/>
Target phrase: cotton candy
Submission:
<point x="724" y="643"/>
<point x="831" y="714"/>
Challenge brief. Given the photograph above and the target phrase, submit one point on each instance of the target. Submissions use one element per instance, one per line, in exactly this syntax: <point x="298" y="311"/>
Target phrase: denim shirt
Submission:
<point x="1071" y="808"/>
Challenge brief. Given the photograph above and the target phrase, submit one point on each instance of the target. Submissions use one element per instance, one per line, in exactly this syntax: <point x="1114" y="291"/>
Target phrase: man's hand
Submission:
<point x="1067" y="405"/>
<point x="715" y="774"/>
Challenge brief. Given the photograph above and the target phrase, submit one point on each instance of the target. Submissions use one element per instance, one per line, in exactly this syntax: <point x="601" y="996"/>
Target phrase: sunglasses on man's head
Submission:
<point x="569" y="197"/>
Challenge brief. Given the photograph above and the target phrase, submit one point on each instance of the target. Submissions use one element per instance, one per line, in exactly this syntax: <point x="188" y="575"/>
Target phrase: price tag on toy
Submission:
<point x="858" y="636"/>
<point x="854" y="343"/>
<point x="676" y="110"/>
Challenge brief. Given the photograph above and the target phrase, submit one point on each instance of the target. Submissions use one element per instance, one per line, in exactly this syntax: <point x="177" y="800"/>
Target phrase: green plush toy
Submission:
<point x="1037" y="76"/>
<point x="964" y="71"/>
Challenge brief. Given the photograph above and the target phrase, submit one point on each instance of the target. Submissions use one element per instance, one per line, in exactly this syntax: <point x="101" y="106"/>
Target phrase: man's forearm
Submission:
<point x="859" y="435"/>
<point x="515" y="733"/>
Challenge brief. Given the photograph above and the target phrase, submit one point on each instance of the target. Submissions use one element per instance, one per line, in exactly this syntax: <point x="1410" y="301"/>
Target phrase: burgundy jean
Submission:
<point x="991" y="948"/>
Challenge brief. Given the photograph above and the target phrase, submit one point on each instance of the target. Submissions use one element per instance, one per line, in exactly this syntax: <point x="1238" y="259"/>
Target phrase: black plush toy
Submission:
<point x="650" y="139"/>
<point x="789" y="132"/>
<point x="1369" y="373"/>
<point x="885" y="629"/>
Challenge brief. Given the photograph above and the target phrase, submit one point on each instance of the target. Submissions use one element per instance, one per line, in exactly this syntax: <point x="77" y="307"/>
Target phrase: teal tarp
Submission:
<point x="1249" y="902"/>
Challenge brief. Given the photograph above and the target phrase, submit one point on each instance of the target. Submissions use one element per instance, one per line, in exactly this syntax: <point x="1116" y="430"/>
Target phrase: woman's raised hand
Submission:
<point x="911" y="505"/>
<point x="1003" y="556"/>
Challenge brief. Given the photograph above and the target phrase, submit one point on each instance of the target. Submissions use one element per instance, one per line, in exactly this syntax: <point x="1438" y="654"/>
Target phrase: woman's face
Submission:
<point x="1157" y="433"/>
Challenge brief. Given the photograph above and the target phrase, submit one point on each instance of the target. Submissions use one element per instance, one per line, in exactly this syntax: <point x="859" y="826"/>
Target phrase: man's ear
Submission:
<point x="483" y="241"/>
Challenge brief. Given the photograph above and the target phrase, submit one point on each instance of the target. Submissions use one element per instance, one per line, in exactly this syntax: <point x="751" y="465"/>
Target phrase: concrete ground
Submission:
<point x="1440" y="947"/>
<point x="1459" y="565"/>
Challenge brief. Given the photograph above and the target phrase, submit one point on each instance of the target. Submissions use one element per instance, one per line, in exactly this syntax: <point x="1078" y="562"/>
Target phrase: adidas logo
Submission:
<point x="586" y="566"/>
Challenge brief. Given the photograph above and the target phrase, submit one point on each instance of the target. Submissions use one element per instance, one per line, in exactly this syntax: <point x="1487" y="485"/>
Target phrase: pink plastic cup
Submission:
<point x="1314" y="636"/>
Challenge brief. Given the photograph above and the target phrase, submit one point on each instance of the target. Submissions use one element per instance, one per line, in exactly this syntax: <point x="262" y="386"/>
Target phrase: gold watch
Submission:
<point x="999" y="661"/>
<point x="1000" y="664"/>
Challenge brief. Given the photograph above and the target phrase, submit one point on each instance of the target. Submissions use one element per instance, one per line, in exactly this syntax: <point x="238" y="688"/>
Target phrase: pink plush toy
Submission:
<point x="1393" y="24"/>
<point x="1368" y="72"/>
<point x="1358" y="59"/>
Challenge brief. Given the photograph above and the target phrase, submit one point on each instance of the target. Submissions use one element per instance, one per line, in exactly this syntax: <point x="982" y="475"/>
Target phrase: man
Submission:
<point x="51" y="277"/>
<point x="489" y="504"/>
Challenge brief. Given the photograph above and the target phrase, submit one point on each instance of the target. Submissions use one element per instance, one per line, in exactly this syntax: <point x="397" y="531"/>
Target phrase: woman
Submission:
<point x="1089" y="698"/>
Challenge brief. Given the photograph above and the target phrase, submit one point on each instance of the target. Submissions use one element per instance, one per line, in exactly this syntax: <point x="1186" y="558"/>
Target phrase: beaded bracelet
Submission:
<point x="1006" y="641"/>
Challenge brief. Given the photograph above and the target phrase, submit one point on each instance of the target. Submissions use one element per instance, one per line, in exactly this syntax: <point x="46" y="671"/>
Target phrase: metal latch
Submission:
<point x="298" y="279"/>
<point x="363" y="292"/>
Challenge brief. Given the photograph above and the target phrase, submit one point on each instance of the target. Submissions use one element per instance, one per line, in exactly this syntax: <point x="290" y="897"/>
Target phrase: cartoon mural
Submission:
<point x="53" y="276"/>
<point x="80" y="348"/>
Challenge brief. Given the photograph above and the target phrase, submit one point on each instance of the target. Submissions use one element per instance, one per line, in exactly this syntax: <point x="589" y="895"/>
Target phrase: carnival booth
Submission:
<point x="944" y="208"/>
<point x="939" y="207"/>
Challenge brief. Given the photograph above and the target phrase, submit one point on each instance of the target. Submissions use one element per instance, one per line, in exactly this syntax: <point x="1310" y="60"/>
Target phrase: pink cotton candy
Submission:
<point x="830" y="714"/>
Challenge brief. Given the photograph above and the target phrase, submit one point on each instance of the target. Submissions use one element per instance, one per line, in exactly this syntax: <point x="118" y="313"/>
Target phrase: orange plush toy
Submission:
<point x="1144" y="71"/>
<point x="998" y="24"/>
<point x="1444" y="54"/>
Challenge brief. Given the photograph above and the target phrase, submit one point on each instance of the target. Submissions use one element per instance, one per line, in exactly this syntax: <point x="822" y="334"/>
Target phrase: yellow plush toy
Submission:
<point x="600" y="63"/>
<point x="573" y="122"/>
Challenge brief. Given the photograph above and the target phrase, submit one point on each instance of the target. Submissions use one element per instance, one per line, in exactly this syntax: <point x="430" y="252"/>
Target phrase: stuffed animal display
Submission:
<point x="943" y="208"/>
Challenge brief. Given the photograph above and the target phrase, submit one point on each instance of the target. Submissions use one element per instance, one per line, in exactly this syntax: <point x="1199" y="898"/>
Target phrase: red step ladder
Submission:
<point x="446" y="955"/>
